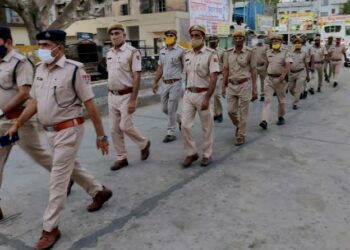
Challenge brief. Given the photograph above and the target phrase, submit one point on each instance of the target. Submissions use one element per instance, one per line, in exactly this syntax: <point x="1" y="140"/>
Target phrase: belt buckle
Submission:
<point x="193" y="89"/>
<point x="50" y="128"/>
<point x="115" y="92"/>
<point x="235" y="82"/>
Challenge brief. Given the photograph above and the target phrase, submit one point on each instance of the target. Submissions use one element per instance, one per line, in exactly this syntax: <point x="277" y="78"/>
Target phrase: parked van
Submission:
<point x="336" y="29"/>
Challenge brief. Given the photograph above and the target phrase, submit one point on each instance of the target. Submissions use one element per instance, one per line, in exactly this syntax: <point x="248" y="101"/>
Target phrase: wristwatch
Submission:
<point x="102" y="138"/>
<point x="2" y="114"/>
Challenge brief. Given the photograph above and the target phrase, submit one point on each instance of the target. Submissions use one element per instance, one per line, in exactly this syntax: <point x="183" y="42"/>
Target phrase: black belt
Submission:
<point x="121" y="92"/>
<point x="297" y="71"/>
<point x="169" y="81"/>
<point x="319" y="62"/>
<point x="273" y="75"/>
<point x="237" y="82"/>
<point x="197" y="90"/>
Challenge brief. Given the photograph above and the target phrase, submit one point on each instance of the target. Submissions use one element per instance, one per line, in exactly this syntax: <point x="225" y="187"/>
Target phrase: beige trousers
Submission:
<point x="262" y="75"/>
<point x="238" y="99"/>
<point x="327" y="68"/>
<point x="29" y="142"/>
<point x="170" y="98"/>
<point x="335" y="69"/>
<point x="65" y="145"/>
<point x="296" y="81"/>
<point x="217" y="95"/>
<point x="191" y="105"/>
<point x="319" y="71"/>
<point x="121" y="123"/>
<point x="272" y="84"/>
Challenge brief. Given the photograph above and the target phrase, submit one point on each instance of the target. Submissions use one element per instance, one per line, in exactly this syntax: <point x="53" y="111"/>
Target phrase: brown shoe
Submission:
<point x="240" y="141"/>
<point x="48" y="239"/>
<point x="1" y="214"/>
<point x="100" y="198"/>
<point x="145" y="151"/>
<point x="189" y="159"/>
<point x="119" y="164"/>
<point x="205" y="161"/>
<point x="70" y="185"/>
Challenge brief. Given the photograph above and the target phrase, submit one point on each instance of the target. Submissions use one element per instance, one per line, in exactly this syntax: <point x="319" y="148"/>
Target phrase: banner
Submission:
<point x="214" y="15"/>
<point x="264" y="23"/>
<point x="331" y="19"/>
<point x="297" y="22"/>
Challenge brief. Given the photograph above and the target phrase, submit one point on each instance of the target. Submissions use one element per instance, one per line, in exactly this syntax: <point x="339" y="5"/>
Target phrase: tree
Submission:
<point x="346" y="8"/>
<point x="37" y="14"/>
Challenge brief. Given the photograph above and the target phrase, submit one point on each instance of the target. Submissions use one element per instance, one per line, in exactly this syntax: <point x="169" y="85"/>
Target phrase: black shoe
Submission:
<point x="1" y="214"/>
<point x="311" y="91"/>
<point x="274" y="94"/>
<point x="262" y="98"/>
<point x="180" y="126"/>
<point x="70" y="185"/>
<point x="263" y="125"/>
<point x="219" y="118"/>
<point x="169" y="138"/>
<point x="281" y="121"/>
<point x="295" y="107"/>
<point x="305" y="94"/>
<point x="335" y="84"/>
<point x="301" y="96"/>
<point x="319" y="89"/>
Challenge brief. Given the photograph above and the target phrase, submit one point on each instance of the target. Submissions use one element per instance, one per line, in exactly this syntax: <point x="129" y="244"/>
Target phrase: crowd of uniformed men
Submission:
<point x="57" y="88"/>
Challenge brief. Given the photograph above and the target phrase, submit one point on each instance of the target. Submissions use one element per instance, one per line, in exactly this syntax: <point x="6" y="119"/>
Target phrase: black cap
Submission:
<point x="52" y="35"/>
<point x="5" y="33"/>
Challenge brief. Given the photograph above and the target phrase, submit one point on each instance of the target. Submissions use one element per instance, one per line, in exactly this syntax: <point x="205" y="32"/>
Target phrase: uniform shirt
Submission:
<point x="24" y="76"/>
<point x="307" y="50"/>
<point x="171" y="61"/>
<point x="277" y="61"/>
<point x="121" y="63"/>
<point x="336" y="52"/>
<point x="319" y="53"/>
<point x="259" y="55"/>
<point x="240" y="63"/>
<point x="53" y="88"/>
<point x="299" y="59"/>
<point x="198" y="66"/>
<point x="220" y="53"/>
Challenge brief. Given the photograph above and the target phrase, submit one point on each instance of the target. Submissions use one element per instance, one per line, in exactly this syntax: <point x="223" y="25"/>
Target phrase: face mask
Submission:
<point x="45" y="55"/>
<point x="276" y="46"/>
<point x="297" y="46"/>
<point x="3" y="51"/>
<point x="169" y="40"/>
<point x="195" y="43"/>
<point x="213" y="45"/>
<point x="260" y="41"/>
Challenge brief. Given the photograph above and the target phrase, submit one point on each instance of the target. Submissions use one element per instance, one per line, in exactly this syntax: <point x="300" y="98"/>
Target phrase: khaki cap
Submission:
<point x="116" y="26"/>
<point x="240" y="33"/>
<point x="276" y="37"/>
<point x="174" y="32"/>
<point x="261" y="34"/>
<point x="213" y="37"/>
<point x="197" y="28"/>
<point x="298" y="40"/>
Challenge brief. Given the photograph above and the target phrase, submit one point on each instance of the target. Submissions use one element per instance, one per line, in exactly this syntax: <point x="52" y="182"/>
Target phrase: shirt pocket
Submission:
<point x="175" y="61"/>
<point x="6" y="81"/>
<point x="63" y="94"/>
<point x="242" y="60"/>
<point x="124" y="63"/>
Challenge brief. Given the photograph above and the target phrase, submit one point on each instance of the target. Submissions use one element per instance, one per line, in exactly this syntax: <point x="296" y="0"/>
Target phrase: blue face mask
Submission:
<point x="260" y="41"/>
<point x="3" y="51"/>
<point x="45" y="55"/>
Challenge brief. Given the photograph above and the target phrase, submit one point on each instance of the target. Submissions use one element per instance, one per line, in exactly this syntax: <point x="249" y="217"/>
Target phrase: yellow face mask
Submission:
<point x="276" y="46"/>
<point x="169" y="40"/>
<point x="297" y="46"/>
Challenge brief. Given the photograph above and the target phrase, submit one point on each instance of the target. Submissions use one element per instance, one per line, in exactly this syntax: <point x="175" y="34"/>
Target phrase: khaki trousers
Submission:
<point x="217" y="95"/>
<point x="272" y="84"/>
<point x="296" y="81"/>
<point x="65" y="145"/>
<point x="335" y="69"/>
<point x="170" y="98"/>
<point x="319" y="71"/>
<point x="121" y="123"/>
<point x="191" y="105"/>
<point x="238" y="99"/>
<point x="29" y="142"/>
<point x="262" y="75"/>
<point x="327" y="68"/>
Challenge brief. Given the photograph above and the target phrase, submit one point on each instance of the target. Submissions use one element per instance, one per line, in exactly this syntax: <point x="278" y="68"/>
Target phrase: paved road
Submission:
<point x="287" y="188"/>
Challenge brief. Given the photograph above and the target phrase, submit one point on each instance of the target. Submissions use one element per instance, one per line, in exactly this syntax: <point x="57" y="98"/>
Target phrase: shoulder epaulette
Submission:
<point x="230" y="49"/>
<point x="20" y="57"/>
<point x="78" y="64"/>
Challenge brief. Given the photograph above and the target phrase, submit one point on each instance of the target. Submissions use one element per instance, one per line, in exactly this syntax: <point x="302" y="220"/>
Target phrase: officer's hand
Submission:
<point x="223" y="91"/>
<point x="131" y="107"/>
<point x="155" y="88"/>
<point x="308" y="78"/>
<point x="12" y="130"/>
<point x="103" y="146"/>
<point x="205" y="104"/>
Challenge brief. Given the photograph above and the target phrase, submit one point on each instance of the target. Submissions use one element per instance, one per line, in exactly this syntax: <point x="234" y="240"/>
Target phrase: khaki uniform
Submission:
<point x="58" y="102"/>
<point x="198" y="67"/>
<point x="336" y="60"/>
<point x="219" y="83"/>
<point x="28" y="133"/>
<point x="319" y="55"/>
<point x="276" y="63"/>
<point x="327" y="65"/>
<point x="239" y="94"/>
<point x="307" y="50"/>
<point x="121" y="63"/>
<point x="171" y="62"/>
<point x="259" y="52"/>
<point x="297" y="73"/>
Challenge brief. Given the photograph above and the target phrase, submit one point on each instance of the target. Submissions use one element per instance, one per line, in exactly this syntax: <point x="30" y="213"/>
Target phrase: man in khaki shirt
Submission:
<point x="213" y="42"/>
<point x="277" y="68"/>
<point x="327" y="65"/>
<point x="170" y="68"/>
<point x="239" y="84"/>
<point x="336" y="54"/>
<point x="318" y="55"/>
<point x="299" y="71"/>
<point x="259" y="53"/>
<point x="201" y="66"/>
<point x="124" y="76"/>
<point x="59" y="89"/>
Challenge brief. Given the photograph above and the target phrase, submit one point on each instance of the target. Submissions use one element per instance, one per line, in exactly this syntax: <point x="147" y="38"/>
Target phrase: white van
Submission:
<point x="336" y="29"/>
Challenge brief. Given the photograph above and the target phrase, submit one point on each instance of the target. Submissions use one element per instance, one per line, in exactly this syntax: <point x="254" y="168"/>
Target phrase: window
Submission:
<point x="333" y="11"/>
<point x="347" y="30"/>
<point x="159" y="6"/>
<point x="124" y="9"/>
<point x="332" y="29"/>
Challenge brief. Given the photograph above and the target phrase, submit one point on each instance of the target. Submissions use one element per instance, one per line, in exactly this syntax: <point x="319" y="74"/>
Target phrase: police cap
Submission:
<point x="174" y="32"/>
<point x="213" y="38"/>
<point x="239" y="33"/>
<point x="5" y="33"/>
<point x="276" y="37"/>
<point x="197" y="28"/>
<point x="298" y="40"/>
<point x="52" y="35"/>
<point x="116" y="26"/>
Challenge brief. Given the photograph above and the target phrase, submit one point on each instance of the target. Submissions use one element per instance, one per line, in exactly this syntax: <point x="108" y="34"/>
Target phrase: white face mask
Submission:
<point x="45" y="55"/>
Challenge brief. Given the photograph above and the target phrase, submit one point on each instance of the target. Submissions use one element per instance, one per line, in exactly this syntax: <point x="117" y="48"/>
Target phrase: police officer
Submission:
<point x="213" y="42"/>
<point x="59" y="89"/>
<point x="277" y="68"/>
<point x="299" y="71"/>
<point x="124" y="76"/>
<point x="318" y="57"/>
<point x="307" y="50"/>
<point x="201" y="65"/>
<point x="327" y="65"/>
<point x="239" y="84"/>
<point x="170" y="68"/>
<point x="336" y="54"/>
<point x="259" y="52"/>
